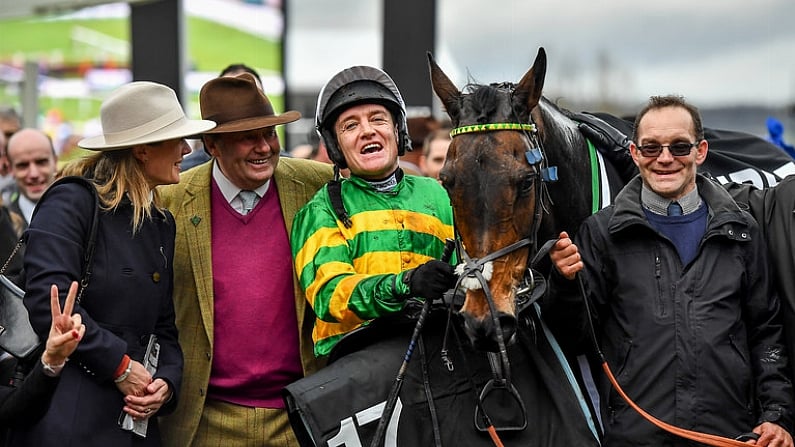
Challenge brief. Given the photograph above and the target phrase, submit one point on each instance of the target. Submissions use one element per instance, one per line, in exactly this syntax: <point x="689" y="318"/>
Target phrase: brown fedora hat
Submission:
<point x="236" y="104"/>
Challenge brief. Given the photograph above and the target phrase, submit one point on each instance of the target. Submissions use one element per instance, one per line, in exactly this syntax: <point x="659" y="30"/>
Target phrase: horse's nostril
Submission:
<point x="483" y="334"/>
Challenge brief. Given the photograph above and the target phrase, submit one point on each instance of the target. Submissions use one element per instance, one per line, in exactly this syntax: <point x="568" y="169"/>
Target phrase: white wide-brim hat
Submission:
<point x="142" y="112"/>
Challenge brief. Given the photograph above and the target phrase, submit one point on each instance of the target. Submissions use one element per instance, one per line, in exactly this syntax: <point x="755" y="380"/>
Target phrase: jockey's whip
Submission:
<point x="389" y="407"/>
<point x="705" y="438"/>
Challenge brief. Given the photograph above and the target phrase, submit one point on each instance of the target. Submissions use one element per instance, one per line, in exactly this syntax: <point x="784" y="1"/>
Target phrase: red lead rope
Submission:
<point x="705" y="438"/>
<point x="495" y="438"/>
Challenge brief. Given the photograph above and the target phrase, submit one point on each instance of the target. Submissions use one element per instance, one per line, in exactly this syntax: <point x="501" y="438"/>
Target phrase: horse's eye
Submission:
<point x="526" y="185"/>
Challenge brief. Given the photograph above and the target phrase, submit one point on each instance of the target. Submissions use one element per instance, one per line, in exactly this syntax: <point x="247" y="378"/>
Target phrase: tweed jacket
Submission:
<point x="297" y="181"/>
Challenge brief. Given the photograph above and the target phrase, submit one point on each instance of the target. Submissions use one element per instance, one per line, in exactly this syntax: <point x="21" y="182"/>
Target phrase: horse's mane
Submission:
<point x="565" y="127"/>
<point x="564" y="111"/>
<point x="485" y="98"/>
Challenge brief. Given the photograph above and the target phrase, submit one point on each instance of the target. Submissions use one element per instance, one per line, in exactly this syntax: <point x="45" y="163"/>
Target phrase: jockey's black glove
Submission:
<point x="430" y="280"/>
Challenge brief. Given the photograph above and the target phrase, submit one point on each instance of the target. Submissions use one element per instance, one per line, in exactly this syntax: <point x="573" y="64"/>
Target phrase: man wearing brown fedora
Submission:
<point x="244" y="324"/>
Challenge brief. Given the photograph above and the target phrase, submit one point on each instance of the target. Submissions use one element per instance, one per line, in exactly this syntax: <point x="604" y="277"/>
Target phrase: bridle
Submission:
<point x="474" y="274"/>
<point x="474" y="267"/>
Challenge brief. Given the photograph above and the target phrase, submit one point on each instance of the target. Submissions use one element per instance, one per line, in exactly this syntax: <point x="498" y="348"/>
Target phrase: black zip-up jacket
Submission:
<point x="698" y="345"/>
<point x="774" y="209"/>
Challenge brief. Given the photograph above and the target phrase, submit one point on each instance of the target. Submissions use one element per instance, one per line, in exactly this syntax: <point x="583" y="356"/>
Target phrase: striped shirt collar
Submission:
<point x="658" y="204"/>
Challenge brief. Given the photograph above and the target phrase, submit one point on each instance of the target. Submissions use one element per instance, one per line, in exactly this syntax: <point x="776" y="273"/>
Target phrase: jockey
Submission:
<point x="366" y="244"/>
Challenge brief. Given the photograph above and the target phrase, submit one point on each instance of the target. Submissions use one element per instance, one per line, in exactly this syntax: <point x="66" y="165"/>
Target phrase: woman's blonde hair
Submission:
<point x="117" y="173"/>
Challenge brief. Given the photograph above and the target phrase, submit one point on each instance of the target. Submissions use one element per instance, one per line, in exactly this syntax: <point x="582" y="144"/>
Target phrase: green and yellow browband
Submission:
<point x="491" y="127"/>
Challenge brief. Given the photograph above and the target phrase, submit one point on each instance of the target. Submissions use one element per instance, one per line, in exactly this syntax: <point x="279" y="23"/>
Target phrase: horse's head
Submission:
<point x="492" y="174"/>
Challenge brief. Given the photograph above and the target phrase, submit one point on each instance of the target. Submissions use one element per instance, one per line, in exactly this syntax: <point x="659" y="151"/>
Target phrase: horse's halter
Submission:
<point x="471" y="270"/>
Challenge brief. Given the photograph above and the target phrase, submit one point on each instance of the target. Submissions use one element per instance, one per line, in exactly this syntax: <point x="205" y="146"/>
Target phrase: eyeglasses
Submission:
<point x="676" y="149"/>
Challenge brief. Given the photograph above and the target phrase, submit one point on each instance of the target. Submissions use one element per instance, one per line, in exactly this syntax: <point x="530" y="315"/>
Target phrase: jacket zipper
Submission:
<point x="658" y="276"/>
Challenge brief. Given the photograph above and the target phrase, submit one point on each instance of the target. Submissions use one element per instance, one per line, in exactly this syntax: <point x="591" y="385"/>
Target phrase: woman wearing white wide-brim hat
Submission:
<point x="128" y="297"/>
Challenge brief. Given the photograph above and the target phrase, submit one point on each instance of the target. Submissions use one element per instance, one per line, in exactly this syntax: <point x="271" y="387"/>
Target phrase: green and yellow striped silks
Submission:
<point x="352" y="275"/>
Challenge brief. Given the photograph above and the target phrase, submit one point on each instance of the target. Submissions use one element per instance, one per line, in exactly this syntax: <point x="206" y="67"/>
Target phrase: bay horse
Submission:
<point x="508" y="143"/>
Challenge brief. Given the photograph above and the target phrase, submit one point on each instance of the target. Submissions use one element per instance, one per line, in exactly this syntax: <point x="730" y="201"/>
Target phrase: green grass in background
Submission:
<point x="46" y="37"/>
<point x="210" y="47"/>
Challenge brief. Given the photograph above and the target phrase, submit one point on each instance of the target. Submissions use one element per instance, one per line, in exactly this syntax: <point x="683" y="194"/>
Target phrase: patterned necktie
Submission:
<point x="247" y="197"/>
<point x="674" y="209"/>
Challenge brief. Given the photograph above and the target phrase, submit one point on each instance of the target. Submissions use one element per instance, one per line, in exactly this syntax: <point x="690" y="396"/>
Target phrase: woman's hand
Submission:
<point x="66" y="329"/>
<point x="136" y="382"/>
<point x="144" y="407"/>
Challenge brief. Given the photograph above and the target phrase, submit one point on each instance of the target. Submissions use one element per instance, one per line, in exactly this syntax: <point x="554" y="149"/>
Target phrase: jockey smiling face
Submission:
<point x="361" y="118"/>
<point x="368" y="138"/>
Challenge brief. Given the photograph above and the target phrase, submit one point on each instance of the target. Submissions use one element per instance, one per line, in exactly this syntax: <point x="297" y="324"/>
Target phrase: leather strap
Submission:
<point x="704" y="438"/>
<point x="88" y="256"/>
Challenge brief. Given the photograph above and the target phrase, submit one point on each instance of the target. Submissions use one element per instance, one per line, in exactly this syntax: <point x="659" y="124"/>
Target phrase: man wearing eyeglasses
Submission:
<point x="681" y="297"/>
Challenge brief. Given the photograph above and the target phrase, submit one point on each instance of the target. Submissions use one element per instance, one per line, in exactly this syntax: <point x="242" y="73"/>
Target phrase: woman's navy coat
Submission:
<point x="128" y="298"/>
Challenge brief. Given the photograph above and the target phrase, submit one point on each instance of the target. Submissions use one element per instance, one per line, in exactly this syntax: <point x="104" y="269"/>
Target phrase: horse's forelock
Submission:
<point x="487" y="100"/>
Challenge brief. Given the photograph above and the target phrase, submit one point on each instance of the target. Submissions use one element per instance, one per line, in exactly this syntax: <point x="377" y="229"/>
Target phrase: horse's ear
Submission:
<point x="447" y="92"/>
<point x="528" y="91"/>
